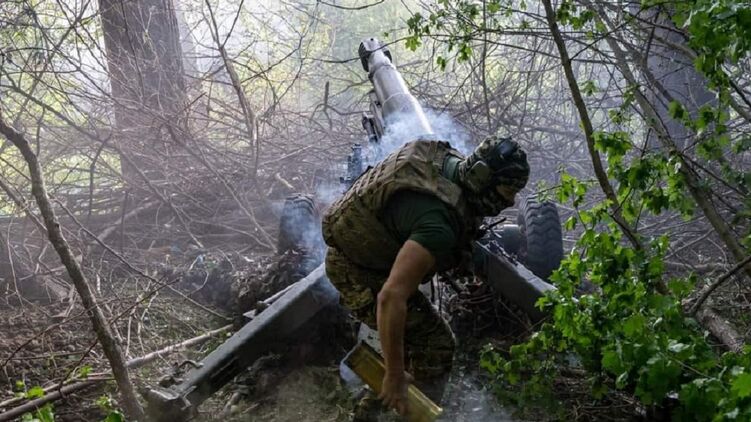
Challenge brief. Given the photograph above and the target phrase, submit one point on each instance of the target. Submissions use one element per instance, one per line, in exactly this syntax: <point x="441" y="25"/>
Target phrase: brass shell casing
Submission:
<point x="368" y="365"/>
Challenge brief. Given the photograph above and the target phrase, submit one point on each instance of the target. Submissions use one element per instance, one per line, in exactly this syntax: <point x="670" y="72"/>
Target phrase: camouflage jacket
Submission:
<point x="352" y="223"/>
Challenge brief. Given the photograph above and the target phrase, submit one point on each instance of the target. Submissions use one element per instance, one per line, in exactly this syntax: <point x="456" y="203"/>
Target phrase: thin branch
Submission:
<point x="352" y="7"/>
<point x="101" y="327"/>
<point x="602" y="177"/>
<point x="717" y="283"/>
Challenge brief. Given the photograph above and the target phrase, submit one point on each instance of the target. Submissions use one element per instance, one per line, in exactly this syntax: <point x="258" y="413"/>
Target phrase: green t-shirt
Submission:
<point x="425" y="219"/>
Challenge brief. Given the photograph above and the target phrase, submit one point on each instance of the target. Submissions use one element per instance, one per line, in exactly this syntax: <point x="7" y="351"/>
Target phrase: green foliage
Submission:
<point x="44" y="413"/>
<point x="114" y="416"/>
<point x="417" y="29"/>
<point x="83" y="372"/>
<point x="720" y="31"/>
<point x="35" y="393"/>
<point x="631" y="335"/>
<point x="567" y="13"/>
<point x="589" y="88"/>
<point x="571" y="188"/>
<point x="470" y="14"/>
<point x="109" y="406"/>
<point x="628" y="337"/>
<point x="441" y="62"/>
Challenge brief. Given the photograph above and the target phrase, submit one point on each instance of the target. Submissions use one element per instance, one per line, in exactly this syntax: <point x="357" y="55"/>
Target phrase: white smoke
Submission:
<point x="328" y="192"/>
<point x="401" y="129"/>
<point x="447" y="129"/>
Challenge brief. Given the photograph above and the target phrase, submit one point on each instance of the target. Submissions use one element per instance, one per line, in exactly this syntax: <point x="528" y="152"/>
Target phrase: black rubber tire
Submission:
<point x="510" y="237"/>
<point x="299" y="225"/>
<point x="542" y="247"/>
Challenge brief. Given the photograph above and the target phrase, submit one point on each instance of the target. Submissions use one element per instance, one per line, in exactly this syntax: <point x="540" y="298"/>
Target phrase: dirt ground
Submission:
<point x="310" y="394"/>
<point x="316" y="394"/>
<point x="301" y="384"/>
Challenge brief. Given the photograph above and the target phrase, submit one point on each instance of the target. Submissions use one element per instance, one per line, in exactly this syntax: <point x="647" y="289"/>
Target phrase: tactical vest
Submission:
<point x="352" y="224"/>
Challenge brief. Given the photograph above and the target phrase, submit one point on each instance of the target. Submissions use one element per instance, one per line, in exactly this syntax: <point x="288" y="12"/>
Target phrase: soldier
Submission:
<point x="413" y="214"/>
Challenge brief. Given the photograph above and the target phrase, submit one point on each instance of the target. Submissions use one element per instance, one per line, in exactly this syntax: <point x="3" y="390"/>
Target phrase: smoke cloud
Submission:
<point x="401" y="129"/>
<point x="328" y="192"/>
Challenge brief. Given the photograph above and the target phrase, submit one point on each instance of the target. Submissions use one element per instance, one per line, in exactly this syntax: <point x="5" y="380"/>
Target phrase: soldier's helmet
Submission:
<point x="492" y="175"/>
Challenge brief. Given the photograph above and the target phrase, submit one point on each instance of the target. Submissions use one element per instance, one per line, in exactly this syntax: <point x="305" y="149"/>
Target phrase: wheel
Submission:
<point x="542" y="245"/>
<point x="299" y="226"/>
<point x="510" y="237"/>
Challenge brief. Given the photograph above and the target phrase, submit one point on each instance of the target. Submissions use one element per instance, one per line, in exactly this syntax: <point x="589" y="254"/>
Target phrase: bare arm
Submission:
<point x="411" y="265"/>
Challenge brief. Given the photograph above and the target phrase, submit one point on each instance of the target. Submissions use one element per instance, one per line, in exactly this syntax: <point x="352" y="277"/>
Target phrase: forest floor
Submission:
<point x="302" y="386"/>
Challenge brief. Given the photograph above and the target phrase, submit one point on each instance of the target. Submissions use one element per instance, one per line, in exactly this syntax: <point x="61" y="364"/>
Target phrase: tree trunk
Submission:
<point x="144" y="58"/>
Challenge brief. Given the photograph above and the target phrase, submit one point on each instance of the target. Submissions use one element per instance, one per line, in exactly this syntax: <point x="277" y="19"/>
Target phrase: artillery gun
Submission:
<point x="514" y="259"/>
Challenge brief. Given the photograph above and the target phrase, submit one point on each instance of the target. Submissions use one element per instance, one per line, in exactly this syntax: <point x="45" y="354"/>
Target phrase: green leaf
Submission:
<point x="412" y="42"/>
<point x="676" y="110"/>
<point x="599" y="389"/>
<point x="677" y="347"/>
<point x="612" y="362"/>
<point x="634" y="325"/>
<point x="621" y="381"/>
<point x="84" y="371"/>
<point x="742" y="385"/>
<point x="441" y="62"/>
<point x="45" y="414"/>
<point x="589" y="88"/>
<point x="114" y="416"/>
<point x="465" y="52"/>
<point x="35" y="392"/>
<point x="494" y="6"/>
<point x="600" y="27"/>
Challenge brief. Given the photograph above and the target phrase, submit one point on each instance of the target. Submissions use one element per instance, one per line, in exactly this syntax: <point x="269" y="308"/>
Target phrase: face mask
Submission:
<point x="495" y="162"/>
<point x="489" y="203"/>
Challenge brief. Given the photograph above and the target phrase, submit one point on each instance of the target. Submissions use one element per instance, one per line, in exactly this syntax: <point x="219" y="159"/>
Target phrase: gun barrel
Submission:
<point x="397" y="103"/>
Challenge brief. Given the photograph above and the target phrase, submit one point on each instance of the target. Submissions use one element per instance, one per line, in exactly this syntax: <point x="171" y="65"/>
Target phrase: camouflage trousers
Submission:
<point x="429" y="343"/>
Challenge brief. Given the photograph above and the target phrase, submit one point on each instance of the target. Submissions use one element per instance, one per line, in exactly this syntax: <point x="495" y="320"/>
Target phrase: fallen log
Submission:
<point x="143" y="360"/>
<point x="47" y="398"/>
<point x="721" y="329"/>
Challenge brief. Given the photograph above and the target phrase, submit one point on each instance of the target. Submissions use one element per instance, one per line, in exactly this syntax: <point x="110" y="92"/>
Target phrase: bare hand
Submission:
<point x="394" y="391"/>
